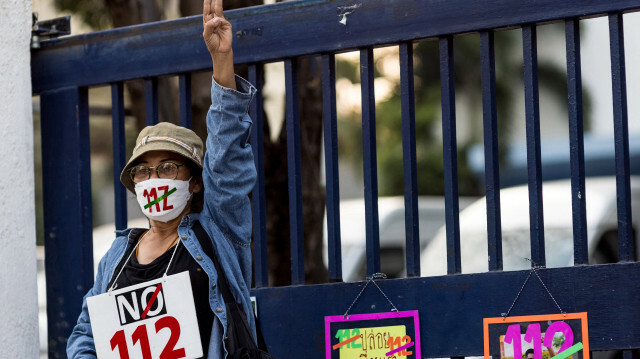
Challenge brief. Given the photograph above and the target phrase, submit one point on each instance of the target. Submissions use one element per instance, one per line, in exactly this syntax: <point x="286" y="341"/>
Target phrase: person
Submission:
<point x="529" y="354"/>
<point x="211" y="189"/>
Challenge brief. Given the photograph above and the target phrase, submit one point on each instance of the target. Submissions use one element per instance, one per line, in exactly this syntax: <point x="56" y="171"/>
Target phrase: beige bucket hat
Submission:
<point x="164" y="136"/>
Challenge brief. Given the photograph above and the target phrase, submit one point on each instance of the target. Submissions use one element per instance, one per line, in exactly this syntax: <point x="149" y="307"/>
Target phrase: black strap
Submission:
<point x="207" y="247"/>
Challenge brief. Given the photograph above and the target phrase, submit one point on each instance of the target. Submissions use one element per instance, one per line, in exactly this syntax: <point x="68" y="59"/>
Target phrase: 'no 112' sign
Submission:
<point x="154" y="319"/>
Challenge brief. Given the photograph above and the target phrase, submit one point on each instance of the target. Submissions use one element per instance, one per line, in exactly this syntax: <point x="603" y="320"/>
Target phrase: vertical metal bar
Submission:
<point x="407" y="103"/>
<point x="294" y="171"/>
<point x="117" y="125"/>
<point x="576" y="142"/>
<point x="67" y="210"/>
<point x="491" y="159"/>
<point x="258" y="196"/>
<point x="151" y="100"/>
<point x="369" y="161"/>
<point x="331" y="164"/>
<point x="532" y="113"/>
<point x="450" y="155"/>
<point x="184" y="84"/>
<point x="621" y="138"/>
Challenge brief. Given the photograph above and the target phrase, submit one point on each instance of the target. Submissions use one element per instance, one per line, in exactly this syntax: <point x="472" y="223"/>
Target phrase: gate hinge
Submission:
<point x="48" y="29"/>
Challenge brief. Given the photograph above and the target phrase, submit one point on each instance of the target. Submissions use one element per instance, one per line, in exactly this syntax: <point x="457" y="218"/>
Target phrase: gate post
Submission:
<point x="67" y="210"/>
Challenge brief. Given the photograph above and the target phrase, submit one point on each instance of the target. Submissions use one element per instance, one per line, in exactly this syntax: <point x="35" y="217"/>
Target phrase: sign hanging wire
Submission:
<point x="534" y="270"/>
<point x="371" y="280"/>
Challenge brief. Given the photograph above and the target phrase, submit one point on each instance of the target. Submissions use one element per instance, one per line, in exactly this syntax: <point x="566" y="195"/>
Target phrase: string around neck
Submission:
<point x="134" y="250"/>
<point x="171" y="260"/>
<point x="115" y="281"/>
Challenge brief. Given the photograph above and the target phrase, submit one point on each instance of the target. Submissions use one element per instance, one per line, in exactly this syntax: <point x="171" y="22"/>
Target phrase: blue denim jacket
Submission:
<point x="229" y="175"/>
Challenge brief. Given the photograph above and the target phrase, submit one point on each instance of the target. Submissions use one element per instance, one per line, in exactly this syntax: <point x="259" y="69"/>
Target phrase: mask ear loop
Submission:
<point x="189" y="182"/>
<point x="114" y="286"/>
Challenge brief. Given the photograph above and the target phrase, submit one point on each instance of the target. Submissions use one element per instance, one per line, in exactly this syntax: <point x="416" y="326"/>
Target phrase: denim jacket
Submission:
<point x="229" y="175"/>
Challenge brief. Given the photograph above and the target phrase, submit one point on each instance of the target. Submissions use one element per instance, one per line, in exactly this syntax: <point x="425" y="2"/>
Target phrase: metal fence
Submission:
<point x="452" y="306"/>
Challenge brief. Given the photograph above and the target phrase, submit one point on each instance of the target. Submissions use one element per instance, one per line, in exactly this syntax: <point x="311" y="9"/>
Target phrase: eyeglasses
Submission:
<point x="165" y="170"/>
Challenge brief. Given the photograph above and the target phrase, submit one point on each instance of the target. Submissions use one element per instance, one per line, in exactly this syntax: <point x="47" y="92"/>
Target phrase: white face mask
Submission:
<point x="162" y="199"/>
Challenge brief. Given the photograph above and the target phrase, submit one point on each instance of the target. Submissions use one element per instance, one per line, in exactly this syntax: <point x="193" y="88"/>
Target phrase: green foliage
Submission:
<point x="558" y="340"/>
<point x="349" y="70"/>
<point x="93" y="12"/>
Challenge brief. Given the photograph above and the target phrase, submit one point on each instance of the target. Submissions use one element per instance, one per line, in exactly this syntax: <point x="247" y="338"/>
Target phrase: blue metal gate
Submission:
<point x="452" y="306"/>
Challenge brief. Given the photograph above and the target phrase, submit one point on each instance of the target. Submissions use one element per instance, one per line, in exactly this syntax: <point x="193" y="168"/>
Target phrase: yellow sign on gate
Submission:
<point x="372" y="342"/>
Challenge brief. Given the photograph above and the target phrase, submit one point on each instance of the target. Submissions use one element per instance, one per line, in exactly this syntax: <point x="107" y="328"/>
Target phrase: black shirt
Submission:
<point x="135" y="273"/>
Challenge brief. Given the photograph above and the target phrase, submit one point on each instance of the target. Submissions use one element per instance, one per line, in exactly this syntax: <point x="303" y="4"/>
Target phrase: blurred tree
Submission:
<point x="105" y="13"/>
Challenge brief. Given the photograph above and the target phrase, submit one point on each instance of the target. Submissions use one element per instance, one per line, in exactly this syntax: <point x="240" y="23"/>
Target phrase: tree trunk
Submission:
<point x="313" y="193"/>
<point x="132" y="12"/>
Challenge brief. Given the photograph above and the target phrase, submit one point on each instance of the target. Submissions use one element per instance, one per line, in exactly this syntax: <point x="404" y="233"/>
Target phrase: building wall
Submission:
<point x="18" y="294"/>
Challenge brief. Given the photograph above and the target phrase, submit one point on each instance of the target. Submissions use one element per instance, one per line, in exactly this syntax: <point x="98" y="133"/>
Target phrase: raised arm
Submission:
<point x="229" y="173"/>
<point x="218" y="37"/>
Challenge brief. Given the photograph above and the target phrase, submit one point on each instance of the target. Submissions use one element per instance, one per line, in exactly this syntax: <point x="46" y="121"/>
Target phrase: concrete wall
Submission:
<point x="18" y="295"/>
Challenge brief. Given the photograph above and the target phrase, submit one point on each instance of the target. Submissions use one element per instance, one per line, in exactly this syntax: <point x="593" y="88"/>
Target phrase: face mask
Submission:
<point x="162" y="199"/>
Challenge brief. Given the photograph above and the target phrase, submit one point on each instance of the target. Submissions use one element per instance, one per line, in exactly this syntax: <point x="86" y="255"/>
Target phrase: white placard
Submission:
<point x="148" y="320"/>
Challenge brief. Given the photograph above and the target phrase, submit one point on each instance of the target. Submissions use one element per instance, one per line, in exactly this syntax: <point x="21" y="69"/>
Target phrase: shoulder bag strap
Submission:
<point x="207" y="247"/>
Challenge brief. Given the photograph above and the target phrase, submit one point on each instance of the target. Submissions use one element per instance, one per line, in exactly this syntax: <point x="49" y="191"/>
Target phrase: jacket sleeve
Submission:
<point x="80" y="344"/>
<point x="229" y="172"/>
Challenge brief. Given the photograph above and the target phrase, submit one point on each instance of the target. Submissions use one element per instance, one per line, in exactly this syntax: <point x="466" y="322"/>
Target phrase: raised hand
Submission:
<point x="218" y="36"/>
<point x="217" y="30"/>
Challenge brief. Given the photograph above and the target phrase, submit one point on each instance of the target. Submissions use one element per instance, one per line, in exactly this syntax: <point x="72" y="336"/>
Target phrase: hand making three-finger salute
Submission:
<point x="218" y="36"/>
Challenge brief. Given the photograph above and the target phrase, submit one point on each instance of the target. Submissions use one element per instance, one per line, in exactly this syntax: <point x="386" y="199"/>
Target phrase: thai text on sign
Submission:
<point x="391" y="335"/>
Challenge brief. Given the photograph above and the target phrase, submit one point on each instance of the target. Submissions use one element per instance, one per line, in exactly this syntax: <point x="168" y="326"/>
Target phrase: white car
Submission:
<point x="392" y="233"/>
<point x="558" y="232"/>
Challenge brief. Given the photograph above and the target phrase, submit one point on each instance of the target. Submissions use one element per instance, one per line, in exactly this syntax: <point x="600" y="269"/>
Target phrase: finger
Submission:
<point x="217" y="8"/>
<point x="212" y="25"/>
<point x="206" y="10"/>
